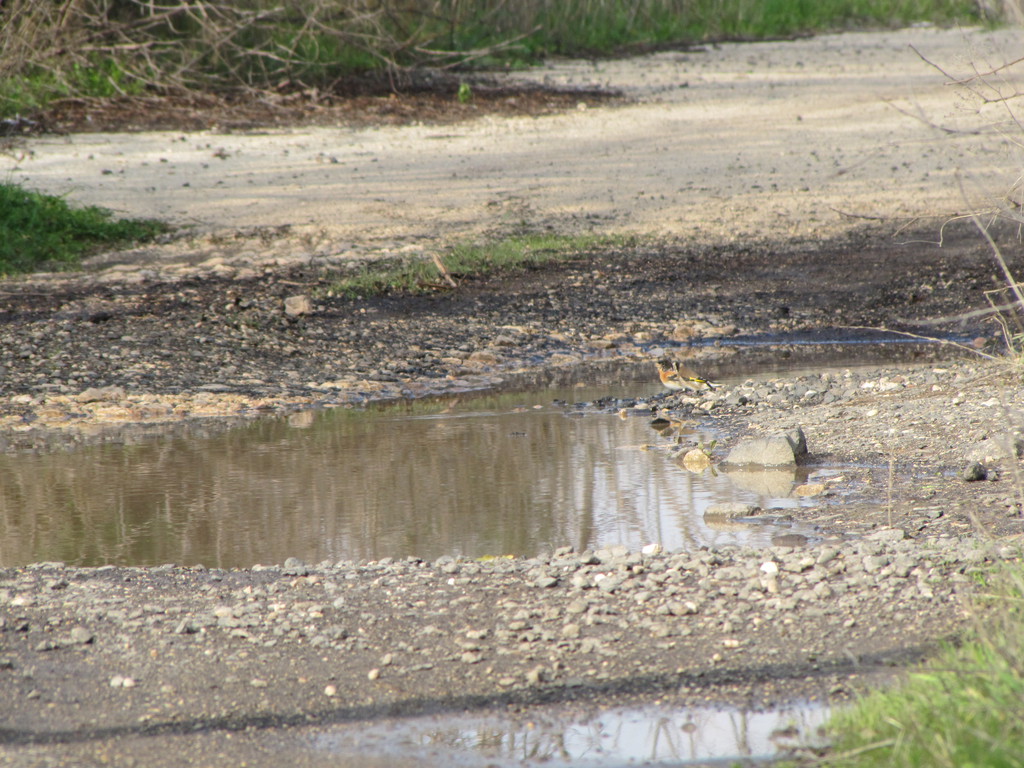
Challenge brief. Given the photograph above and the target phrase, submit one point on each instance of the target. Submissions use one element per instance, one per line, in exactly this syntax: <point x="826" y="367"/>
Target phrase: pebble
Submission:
<point x="81" y="636"/>
<point x="585" y="608"/>
<point x="613" y="587"/>
<point x="974" y="471"/>
<point x="296" y="306"/>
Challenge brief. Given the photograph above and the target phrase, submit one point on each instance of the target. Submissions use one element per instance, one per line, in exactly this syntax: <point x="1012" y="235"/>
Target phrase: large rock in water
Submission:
<point x="774" y="451"/>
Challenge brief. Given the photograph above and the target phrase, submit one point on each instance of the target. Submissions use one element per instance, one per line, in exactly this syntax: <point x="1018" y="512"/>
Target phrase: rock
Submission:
<point x="484" y="356"/>
<point x="687" y="331"/>
<point x="537" y="675"/>
<point x="874" y="563"/>
<point x="612" y="554"/>
<point x="610" y="583"/>
<point x="736" y="398"/>
<point x="80" y="636"/>
<point x="660" y="629"/>
<point x="681" y="608"/>
<point x="97" y="394"/>
<point x="576" y="606"/>
<point x="974" y="471"/>
<point x="296" y="306"/>
<point x="764" y="451"/>
<point x="996" y="449"/>
<point x="696" y="460"/>
<point x="827" y="555"/>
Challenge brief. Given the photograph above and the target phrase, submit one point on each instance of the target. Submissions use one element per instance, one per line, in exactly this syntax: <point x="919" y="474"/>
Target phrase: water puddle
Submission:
<point x="500" y="473"/>
<point x="473" y="476"/>
<point x="650" y="736"/>
<point x="494" y="474"/>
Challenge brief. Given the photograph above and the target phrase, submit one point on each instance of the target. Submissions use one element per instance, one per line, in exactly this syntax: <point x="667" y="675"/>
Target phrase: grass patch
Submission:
<point x="43" y="232"/>
<point x="601" y="27"/>
<point x="963" y="709"/>
<point x="466" y="261"/>
<point x="95" y="78"/>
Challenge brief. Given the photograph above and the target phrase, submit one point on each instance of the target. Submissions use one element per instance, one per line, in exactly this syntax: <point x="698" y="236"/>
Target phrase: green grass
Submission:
<point x="602" y="27"/>
<point x="99" y="78"/>
<point x="964" y="709"/>
<point x="43" y="232"/>
<point x="466" y="261"/>
<point x="596" y="27"/>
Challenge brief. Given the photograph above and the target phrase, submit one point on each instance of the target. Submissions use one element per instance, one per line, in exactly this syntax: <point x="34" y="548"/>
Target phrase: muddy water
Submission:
<point x="474" y="476"/>
<point x="649" y="736"/>
<point x="514" y="473"/>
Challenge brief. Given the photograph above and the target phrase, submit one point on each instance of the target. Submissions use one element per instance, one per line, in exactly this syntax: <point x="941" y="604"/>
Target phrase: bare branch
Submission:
<point x="444" y="270"/>
<point x="921" y="337"/>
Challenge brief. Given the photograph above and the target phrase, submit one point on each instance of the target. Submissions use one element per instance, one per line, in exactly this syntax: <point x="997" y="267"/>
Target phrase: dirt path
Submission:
<point x="726" y="143"/>
<point x="739" y="156"/>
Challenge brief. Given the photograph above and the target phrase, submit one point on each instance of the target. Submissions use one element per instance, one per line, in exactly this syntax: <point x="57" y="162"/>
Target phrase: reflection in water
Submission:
<point x="615" y="737"/>
<point x="770" y="482"/>
<point x="500" y="474"/>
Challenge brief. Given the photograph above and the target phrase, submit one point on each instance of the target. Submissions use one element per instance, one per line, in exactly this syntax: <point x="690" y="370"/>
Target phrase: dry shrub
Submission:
<point x="994" y="93"/>
<point x="171" y="44"/>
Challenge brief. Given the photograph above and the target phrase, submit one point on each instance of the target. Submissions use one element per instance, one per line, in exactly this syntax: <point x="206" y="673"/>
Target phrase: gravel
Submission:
<point x="591" y="622"/>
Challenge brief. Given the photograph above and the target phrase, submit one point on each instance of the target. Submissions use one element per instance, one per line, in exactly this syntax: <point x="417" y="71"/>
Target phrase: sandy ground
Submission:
<point x="728" y="142"/>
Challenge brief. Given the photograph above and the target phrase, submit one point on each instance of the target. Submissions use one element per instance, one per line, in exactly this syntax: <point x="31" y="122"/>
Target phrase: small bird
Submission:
<point x="675" y="375"/>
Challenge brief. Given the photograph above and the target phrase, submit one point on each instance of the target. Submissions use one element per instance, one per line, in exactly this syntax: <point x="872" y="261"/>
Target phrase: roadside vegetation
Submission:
<point x="465" y="261"/>
<point x="116" y="48"/>
<point x="122" y="49"/>
<point x="43" y="232"/>
<point x="964" y="708"/>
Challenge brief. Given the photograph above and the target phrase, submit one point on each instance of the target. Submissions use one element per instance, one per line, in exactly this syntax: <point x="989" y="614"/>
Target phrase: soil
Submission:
<point x="166" y="666"/>
<point x="431" y="99"/>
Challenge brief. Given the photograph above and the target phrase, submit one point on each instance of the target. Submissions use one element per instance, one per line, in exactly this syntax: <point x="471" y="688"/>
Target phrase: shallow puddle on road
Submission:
<point x="472" y="476"/>
<point x="484" y="475"/>
<point x="651" y="736"/>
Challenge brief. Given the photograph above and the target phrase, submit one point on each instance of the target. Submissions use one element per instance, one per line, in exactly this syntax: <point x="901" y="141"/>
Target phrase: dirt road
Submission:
<point x="721" y="143"/>
<point x="775" y="144"/>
